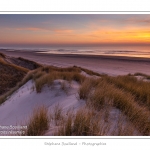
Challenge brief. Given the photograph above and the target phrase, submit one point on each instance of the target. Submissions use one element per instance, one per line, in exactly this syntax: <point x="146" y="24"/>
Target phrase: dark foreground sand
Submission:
<point x="102" y="64"/>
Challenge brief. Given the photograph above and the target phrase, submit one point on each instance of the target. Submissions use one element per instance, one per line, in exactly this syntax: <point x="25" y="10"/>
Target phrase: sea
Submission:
<point x="128" y="51"/>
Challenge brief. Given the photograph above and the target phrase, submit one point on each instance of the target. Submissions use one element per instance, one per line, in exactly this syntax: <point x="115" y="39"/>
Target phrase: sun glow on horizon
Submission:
<point x="74" y="29"/>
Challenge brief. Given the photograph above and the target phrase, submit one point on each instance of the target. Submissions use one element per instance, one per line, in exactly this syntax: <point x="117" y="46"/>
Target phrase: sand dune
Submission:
<point x="52" y="86"/>
<point x="20" y="105"/>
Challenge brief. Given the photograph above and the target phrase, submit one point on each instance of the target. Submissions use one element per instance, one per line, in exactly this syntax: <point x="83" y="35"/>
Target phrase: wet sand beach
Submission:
<point x="111" y="65"/>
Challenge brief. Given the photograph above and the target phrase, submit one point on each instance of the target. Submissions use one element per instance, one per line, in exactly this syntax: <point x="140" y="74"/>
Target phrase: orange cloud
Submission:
<point x="103" y="35"/>
<point x="128" y="35"/>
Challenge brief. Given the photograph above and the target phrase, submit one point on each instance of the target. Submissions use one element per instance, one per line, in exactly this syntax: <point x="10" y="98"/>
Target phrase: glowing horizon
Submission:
<point x="77" y="29"/>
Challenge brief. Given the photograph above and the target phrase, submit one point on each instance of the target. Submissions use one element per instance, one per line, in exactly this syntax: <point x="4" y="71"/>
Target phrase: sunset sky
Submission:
<point x="77" y="29"/>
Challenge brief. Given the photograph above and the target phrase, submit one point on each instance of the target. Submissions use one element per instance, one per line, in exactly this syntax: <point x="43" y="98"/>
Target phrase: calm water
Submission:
<point x="132" y="51"/>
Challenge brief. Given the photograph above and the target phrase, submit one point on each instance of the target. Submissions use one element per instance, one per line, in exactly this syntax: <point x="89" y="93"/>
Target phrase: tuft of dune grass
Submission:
<point x="90" y="72"/>
<point x="45" y="79"/>
<point x="50" y="75"/>
<point x="38" y="122"/>
<point x="140" y="89"/>
<point x="142" y="74"/>
<point x="107" y="94"/>
<point x="86" y="88"/>
<point x="80" y="124"/>
<point x="48" y="69"/>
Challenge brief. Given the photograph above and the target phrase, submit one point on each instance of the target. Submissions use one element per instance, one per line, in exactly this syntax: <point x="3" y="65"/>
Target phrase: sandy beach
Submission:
<point x="102" y="64"/>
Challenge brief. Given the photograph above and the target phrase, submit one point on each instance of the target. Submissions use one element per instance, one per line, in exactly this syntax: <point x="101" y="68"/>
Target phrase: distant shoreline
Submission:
<point x="128" y="58"/>
<point x="111" y="65"/>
